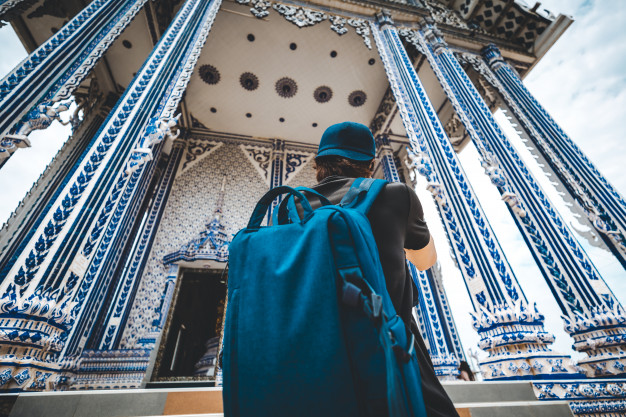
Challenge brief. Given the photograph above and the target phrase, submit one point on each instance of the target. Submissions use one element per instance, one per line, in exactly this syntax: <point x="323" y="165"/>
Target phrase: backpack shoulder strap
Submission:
<point x="362" y="194"/>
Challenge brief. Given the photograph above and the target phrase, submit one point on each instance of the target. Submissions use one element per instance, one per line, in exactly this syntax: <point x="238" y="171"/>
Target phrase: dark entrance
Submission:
<point x="189" y="345"/>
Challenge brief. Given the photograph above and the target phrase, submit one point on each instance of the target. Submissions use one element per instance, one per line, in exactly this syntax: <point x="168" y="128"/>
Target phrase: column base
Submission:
<point x="543" y="365"/>
<point x="518" y="345"/>
<point x="28" y="375"/>
<point x="601" y="334"/>
<point x="607" y="366"/>
<point x="446" y="367"/>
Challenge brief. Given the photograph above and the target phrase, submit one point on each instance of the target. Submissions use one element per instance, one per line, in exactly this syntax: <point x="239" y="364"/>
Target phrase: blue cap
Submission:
<point x="348" y="139"/>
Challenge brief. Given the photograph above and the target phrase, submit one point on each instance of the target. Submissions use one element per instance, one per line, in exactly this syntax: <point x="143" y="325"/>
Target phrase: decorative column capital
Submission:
<point x="491" y="54"/>
<point x="425" y="21"/>
<point x="179" y="142"/>
<point x="382" y="141"/>
<point x="384" y="18"/>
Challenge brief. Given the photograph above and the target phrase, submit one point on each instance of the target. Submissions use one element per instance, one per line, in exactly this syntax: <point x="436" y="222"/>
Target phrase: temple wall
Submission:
<point x="305" y="177"/>
<point x="192" y="201"/>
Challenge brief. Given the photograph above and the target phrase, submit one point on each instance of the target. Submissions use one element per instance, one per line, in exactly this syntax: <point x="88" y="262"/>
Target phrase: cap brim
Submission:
<point x="346" y="153"/>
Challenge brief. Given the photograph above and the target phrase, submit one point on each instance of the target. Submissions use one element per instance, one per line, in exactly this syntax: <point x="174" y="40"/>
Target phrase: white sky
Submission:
<point x="580" y="82"/>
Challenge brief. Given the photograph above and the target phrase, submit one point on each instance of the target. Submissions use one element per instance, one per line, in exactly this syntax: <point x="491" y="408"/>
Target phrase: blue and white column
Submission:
<point x="580" y="291"/>
<point x="57" y="273"/>
<point x="511" y="331"/>
<point x="603" y="205"/>
<point x="127" y="284"/>
<point x="37" y="91"/>
<point x="430" y="319"/>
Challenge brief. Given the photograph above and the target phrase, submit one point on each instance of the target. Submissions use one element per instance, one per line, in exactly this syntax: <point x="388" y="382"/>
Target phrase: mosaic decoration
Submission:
<point x="259" y="7"/>
<point x="260" y="157"/>
<point x="286" y="87"/>
<point x="323" y="94"/>
<point x="198" y="149"/>
<point x="209" y="74"/>
<point x="586" y="397"/>
<point x="111" y="369"/>
<point x="303" y="17"/>
<point x="129" y="280"/>
<point x="299" y="16"/>
<point x="33" y="101"/>
<point x="167" y="106"/>
<point x="357" y="98"/>
<point x="212" y="243"/>
<point x="249" y="81"/>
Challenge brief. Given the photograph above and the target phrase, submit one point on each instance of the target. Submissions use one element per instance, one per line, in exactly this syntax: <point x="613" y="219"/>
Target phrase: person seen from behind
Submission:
<point x="346" y="152"/>
<point x="465" y="372"/>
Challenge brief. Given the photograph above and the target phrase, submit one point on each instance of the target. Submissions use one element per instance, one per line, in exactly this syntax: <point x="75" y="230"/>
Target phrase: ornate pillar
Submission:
<point x="31" y="96"/>
<point x="603" y="205"/>
<point x="119" y="305"/>
<point x="18" y="228"/>
<point x="451" y="334"/>
<point x="580" y="291"/>
<point x="428" y="311"/>
<point x="62" y="267"/>
<point x="511" y="331"/>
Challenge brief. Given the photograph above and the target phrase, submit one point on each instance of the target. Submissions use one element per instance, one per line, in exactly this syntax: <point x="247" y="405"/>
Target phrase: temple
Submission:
<point x="184" y="112"/>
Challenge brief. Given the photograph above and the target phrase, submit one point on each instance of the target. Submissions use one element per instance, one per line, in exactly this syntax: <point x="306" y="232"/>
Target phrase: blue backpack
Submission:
<point x="310" y="329"/>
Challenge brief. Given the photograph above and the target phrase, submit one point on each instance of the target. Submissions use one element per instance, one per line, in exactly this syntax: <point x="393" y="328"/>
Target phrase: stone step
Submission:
<point x="472" y="399"/>
<point x="499" y="409"/>
<point x="489" y="391"/>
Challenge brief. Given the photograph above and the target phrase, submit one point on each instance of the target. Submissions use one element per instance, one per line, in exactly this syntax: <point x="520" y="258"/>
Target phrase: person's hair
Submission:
<point x="338" y="165"/>
<point x="464" y="366"/>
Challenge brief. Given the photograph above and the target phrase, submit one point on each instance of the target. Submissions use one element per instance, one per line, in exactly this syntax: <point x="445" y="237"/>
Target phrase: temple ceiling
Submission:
<point x="269" y="78"/>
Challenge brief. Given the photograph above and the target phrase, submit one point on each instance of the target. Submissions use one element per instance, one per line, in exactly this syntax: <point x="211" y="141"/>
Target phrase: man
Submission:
<point x="346" y="152"/>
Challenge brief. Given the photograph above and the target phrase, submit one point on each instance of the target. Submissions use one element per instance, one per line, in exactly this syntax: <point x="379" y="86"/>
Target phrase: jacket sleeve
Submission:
<point x="417" y="234"/>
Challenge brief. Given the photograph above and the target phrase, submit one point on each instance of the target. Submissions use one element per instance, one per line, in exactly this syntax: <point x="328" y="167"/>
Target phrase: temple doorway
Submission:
<point x="188" y="350"/>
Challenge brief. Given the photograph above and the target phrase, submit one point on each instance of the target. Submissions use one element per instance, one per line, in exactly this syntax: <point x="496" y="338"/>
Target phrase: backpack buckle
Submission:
<point x="377" y="305"/>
